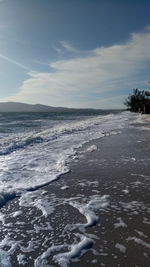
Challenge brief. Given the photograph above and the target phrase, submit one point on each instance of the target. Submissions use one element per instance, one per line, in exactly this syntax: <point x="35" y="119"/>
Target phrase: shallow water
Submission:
<point x="36" y="148"/>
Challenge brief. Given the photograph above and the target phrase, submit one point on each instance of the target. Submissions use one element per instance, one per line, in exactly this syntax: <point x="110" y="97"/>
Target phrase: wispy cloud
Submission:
<point x="83" y="80"/>
<point x="10" y="60"/>
<point x="68" y="46"/>
<point x="63" y="48"/>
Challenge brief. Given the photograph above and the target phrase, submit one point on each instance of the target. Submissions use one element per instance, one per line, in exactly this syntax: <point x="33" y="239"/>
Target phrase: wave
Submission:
<point x="31" y="160"/>
<point x="5" y="197"/>
<point x="21" y="145"/>
<point x="21" y="141"/>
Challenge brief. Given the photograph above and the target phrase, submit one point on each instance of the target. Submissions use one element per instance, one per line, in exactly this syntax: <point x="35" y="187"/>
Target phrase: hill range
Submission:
<point x="22" y="107"/>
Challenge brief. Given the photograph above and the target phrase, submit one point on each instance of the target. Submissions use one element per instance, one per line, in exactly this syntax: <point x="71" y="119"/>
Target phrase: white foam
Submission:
<point x="121" y="223"/>
<point x="139" y="241"/>
<point x="38" y="200"/>
<point x="65" y="187"/>
<point x="91" y="148"/>
<point x="88" y="210"/>
<point x="45" y="228"/>
<point x="140" y="175"/>
<point x="132" y="206"/>
<point x="36" y="158"/>
<point x="12" y="244"/>
<point x="2" y="218"/>
<point x="121" y="247"/>
<point x="76" y="251"/>
<point x="17" y="213"/>
<point x="94" y="261"/>
<point x="29" y="248"/>
<point x="41" y="260"/>
<point x="141" y="233"/>
<point x="143" y="118"/>
<point x="126" y="191"/>
<point x="4" y="259"/>
<point x="21" y="259"/>
<point x="146" y="222"/>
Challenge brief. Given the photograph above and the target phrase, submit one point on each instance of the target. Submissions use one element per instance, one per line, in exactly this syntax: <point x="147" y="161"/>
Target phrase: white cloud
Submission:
<point x="82" y="80"/>
<point x="14" y="62"/>
<point x="64" y="47"/>
<point x="68" y="47"/>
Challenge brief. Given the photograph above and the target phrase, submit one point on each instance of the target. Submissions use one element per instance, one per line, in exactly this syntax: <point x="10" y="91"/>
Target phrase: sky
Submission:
<point x="74" y="53"/>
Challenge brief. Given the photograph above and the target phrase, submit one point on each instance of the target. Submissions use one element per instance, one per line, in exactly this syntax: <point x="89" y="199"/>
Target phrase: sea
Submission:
<point x="36" y="147"/>
<point x="36" y="150"/>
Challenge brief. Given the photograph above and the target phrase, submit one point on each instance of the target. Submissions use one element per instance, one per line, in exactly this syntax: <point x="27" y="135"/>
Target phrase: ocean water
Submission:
<point x="35" y="147"/>
<point x="35" y="150"/>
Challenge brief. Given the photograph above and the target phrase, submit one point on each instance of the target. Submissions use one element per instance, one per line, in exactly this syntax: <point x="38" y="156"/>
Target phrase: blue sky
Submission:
<point x="73" y="53"/>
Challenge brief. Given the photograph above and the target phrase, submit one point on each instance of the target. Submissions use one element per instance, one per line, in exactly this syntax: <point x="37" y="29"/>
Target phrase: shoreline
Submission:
<point x="101" y="206"/>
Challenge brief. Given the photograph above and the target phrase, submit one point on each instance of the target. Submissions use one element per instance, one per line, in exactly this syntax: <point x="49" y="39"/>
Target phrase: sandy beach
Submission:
<point x="98" y="214"/>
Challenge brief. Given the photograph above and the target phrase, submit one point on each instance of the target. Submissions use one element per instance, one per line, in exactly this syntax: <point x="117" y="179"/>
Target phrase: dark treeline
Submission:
<point x="139" y="101"/>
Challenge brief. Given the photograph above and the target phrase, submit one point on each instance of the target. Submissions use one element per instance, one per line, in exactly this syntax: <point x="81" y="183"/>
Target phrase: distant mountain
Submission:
<point x="22" y="107"/>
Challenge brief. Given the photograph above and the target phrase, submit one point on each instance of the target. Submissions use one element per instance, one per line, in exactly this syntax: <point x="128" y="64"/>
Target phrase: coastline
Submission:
<point x="101" y="206"/>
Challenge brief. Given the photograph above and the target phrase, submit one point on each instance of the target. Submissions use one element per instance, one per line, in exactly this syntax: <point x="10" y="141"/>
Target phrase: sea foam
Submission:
<point x="36" y="157"/>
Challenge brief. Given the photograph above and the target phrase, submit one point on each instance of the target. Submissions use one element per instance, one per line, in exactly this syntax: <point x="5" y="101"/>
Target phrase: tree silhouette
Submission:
<point x="139" y="101"/>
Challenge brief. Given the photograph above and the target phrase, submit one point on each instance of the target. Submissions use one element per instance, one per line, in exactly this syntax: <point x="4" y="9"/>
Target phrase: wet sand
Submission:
<point x="109" y="186"/>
